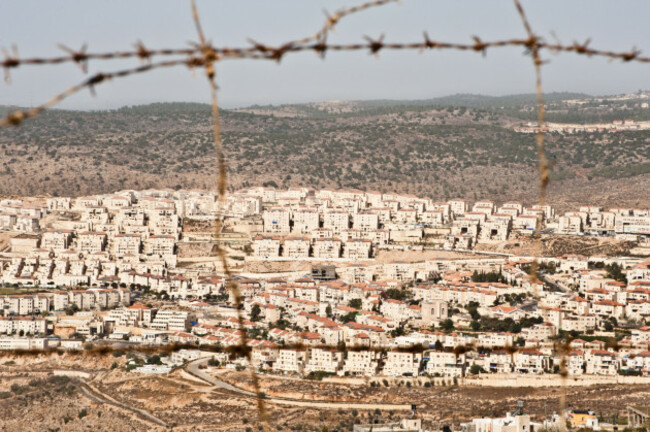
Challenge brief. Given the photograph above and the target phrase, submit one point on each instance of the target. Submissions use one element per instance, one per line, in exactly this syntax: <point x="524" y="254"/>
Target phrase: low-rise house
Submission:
<point x="601" y="362"/>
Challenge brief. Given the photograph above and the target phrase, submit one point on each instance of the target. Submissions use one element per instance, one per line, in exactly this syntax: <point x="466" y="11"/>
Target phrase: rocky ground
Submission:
<point x="33" y="399"/>
<point x="557" y="245"/>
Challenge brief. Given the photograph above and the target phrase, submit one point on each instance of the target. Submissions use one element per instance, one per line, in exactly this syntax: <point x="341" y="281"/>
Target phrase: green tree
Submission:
<point x="447" y="325"/>
<point x="476" y="369"/>
<point x="256" y="313"/>
<point x="615" y="271"/>
<point x="355" y="303"/>
<point x="154" y="360"/>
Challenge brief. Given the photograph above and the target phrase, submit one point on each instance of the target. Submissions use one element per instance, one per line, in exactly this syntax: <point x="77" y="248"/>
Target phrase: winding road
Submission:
<point x="193" y="368"/>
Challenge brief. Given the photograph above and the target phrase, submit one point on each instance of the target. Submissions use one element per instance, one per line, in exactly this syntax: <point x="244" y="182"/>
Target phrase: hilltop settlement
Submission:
<point x="329" y="282"/>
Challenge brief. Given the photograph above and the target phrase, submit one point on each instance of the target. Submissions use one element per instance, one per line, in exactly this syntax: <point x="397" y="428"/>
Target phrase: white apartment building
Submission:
<point x="326" y="360"/>
<point x="276" y="220"/>
<point x="172" y="320"/>
<point x="24" y="304"/>
<point x="91" y="242"/>
<point x="601" y="362"/>
<point x="570" y="224"/>
<point x="296" y="247"/>
<point x="445" y="364"/>
<point x="91" y="299"/>
<point x="530" y="361"/>
<point x="26" y="325"/>
<point x="327" y="248"/>
<point x="365" y="363"/>
<point x="56" y="240"/>
<point x="305" y="220"/>
<point x="366" y="221"/>
<point x="28" y="343"/>
<point x="458" y="207"/>
<point x="162" y="245"/>
<point x="357" y="249"/>
<point x="126" y="244"/>
<point x="433" y="217"/>
<point x="402" y="363"/>
<point x="137" y="315"/>
<point x="337" y="221"/>
<point x="289" y="361"/>
<point x="266" y="246"/>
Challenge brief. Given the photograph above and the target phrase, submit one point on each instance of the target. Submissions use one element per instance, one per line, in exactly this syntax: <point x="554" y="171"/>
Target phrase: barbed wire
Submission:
<point x="205" y="55"/>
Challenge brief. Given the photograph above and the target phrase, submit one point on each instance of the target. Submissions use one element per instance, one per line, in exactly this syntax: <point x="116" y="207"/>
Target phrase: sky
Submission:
<point x="37" y="27"/>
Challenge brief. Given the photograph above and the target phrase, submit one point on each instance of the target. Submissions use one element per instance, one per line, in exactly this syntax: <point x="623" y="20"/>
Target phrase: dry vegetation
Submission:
<point x="33" y="399"/>
<point x="435" y="149"/>
<point x="557" y="245"/>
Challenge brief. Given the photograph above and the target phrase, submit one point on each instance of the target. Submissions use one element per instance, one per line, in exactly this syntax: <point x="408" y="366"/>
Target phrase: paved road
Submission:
<point x="557" y="287"/>
<point x="193" y="368"/>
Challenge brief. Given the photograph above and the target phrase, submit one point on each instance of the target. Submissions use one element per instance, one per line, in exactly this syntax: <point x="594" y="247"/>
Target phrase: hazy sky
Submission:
<point x="36" y="27"/>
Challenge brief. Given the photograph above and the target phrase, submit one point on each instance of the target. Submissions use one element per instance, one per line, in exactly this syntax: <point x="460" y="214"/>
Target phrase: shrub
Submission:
<point x="83" y="413"/>
<point x="476" y="369"/>
<point x="18" y="389"/>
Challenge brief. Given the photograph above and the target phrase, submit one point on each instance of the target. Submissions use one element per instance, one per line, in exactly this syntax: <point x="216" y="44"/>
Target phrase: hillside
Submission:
<point x="430" y="148"/>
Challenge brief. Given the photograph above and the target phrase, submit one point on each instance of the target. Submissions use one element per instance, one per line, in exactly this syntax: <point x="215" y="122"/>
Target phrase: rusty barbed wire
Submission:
<point x="205" y="55"/>
<point x="533" y="49"/>
<point x="209" y="58"/>
<point x="13" y="61"/>
<point x="259" y="51"/>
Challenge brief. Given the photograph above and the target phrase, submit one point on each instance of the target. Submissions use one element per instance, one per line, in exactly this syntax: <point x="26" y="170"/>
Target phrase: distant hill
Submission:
<point x="460" y="145"/>
<point x="475" y="101"/>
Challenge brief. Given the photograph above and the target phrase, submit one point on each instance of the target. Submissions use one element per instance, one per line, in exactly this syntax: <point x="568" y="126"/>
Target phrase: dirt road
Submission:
<point x="193" y="368"/>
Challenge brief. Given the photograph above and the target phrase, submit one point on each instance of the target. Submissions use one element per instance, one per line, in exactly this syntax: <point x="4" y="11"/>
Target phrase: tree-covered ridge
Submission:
<point x="440" y="152"/>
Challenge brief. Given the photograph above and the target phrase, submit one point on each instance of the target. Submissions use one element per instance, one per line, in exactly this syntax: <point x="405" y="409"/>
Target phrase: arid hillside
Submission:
<point x="429" y="149"/>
